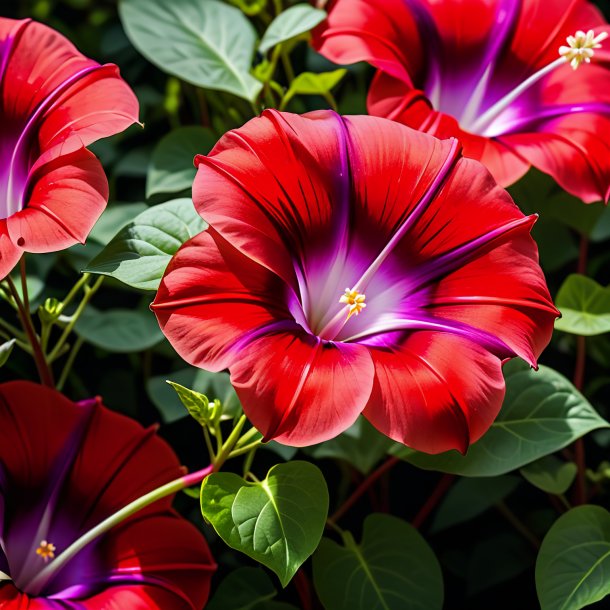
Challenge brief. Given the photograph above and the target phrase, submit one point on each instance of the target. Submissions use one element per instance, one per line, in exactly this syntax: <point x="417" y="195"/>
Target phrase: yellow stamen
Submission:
<point x="46" y="550"/>
<point x="355" y="300"/>
<point x="581" y="47"/>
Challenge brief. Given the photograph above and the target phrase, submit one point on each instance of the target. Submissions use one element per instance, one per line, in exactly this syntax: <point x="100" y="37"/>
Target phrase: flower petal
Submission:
<point x="212" y="296"/>
<point x="300" y="390"/>
<point x="434" y="391"/>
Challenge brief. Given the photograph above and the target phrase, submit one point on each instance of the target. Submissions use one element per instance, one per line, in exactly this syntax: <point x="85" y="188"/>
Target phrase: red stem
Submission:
<point x="435" y="497"/>
<point x="362" y="488"/>
<point x="44" y="371"/>
<point x="303" y="587"/>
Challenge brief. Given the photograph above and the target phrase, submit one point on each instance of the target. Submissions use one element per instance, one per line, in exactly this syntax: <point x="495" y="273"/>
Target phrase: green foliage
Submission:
<point x="309" y="83"/>
<point x="140" y="251"/>
<point x="171" y="169"/>
<point x="573" y="567"/>
<point x="242" y="589"/>
<point x="293" y="22"/>
<point x="584" y="306"/>
<point x="469" y="497"/>
<point x="209" y="44"/>
<point x="393" y="568"/>
<point x="361" y="445"/>
<point x="197" y="405"/>
<point x="119" y="330"/>
<point x="5" y="351"/>
<point x="278" y="521"/>
<point x="550" y="474"/>
<point x="542" y="413"/>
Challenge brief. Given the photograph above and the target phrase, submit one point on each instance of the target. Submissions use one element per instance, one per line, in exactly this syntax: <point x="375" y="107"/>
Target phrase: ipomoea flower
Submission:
<point x="64" y="468"/>
<point x="500" y="75"/>
<point x="53" y="103"/>
<point x="301" y="207"/>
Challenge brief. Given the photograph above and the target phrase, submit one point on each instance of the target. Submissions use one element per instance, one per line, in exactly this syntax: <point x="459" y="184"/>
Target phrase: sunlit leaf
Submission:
<point x="292" y="22"/>
<point x="584" y="306"/>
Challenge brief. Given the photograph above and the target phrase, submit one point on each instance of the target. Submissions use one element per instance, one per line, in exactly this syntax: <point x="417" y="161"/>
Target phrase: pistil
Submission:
<point x="580" y="49"/>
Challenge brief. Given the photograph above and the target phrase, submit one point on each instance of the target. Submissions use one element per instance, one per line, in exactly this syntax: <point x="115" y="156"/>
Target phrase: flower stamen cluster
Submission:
<point x="581" y="47"/>
<point x="355" y="300"/>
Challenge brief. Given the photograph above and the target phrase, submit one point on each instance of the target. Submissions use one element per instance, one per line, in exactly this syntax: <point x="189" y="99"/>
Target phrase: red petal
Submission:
<point x="435" y="392"/>
<point x="211" y="296"/>
<point x="277" y="185"/>
<point x="69" y="192"/>
<point x="300" y="390"/>
<point x="9" y="252"/>
<point x="381" y="32"/>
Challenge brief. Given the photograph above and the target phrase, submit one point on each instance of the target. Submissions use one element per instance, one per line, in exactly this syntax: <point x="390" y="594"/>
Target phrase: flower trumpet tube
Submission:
<point x="520" y="82"/>
<point x="71" y="478"/>
<point x="54" y="102"/>
<point x="353" y="265"/>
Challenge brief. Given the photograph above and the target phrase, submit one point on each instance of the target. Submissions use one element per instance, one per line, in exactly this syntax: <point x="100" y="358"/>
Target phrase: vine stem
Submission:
<point x="44" y="371"/>
<point x="435" y="497"/>
<point x="518" y="524"/>
<point x="303" y="588"/>
<point x="362" y="488"/>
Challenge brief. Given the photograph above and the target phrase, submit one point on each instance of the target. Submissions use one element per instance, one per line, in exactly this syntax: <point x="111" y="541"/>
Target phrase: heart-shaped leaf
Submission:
<point x="550" y="474"/>
<point x="207" y="43"/>
<point x="242" y="589"/>
<point x="119" y="330"/>
<point x="584" y="306"/>
<point x="278" y="521"/>
<point x="542" y="413"/>
<point x="171" y="169"/>
<point x="470" y="497"/>
<point x="292" y="22"/>
<point x="310" y="83"/>
<point x="140" y="251"/>
<point x="393" y="568"/>
<point x="573" y="566"/>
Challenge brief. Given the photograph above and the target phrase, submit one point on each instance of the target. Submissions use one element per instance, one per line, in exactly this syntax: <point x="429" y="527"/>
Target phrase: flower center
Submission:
<point x="46" y="550"/>
<point x="355" y="300"/>
<point x="580" y="49"/>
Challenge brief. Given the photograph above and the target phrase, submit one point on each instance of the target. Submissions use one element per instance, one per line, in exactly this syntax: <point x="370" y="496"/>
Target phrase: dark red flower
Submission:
<point x="309" y="215"/>
<point x="53" y="103"/>
<point x="64" y="468"/>
<point x="461" y="68"/>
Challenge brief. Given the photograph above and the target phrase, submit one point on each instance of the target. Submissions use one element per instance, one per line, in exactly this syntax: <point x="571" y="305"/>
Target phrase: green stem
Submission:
<point x="229" y="444"/>
<point x="73" y="292"/>
<point x="48" y="572"/>
<point x="287" y="67"/>
<point x="208" y="442"/>
<point x="42" y="365"/>
<point x="89" y="292"/>
<point x="245" y="449"/>
<point x="246" y="437"/>
<point x="69" y="363"/>
<point x="12" y="330"/>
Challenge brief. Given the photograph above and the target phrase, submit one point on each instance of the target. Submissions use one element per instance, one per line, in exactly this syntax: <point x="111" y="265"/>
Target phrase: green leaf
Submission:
<point x="542" y="413"/>
<point x="573" y="566"/>
<point x="310" y="83"/>
<point x="250" y="7"/>
<point x="242" y="589"/>
<point x="114" y="218"/>
<point x="206" y="43"/>
<point x="119" y="330"/>
<point x="470" y="497"/>
<point x="278" y="522"/>
<point x="584" y="306"/>
<point x="292" y="22"/>
<point x="140" y="251"/>
<point x="550" y="474"/>
<point x="171" y="169"/>
<point x="213" y="385"/>
<point x="393" y="568"/>
<point x="361" y="445"/>
<point x="195" y="403"/>
<point x="5" y="351"/>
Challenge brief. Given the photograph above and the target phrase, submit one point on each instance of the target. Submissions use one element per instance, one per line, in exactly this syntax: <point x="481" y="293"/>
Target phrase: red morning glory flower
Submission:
<point x="500" y="75"/>
<point x="53" y="103"/>
<point x="64" y="468"/>
<point x="353" y="265"/>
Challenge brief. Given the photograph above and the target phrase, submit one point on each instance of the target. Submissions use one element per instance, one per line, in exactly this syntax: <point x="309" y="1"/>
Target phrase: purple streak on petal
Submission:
<point x="419" y="208"/>
<point x="521" y="124"/>
<point x="425" y="322"/>
<point x="15" y="187"/>
<point x="446" y="263"/>
<point x="433" y="45"/>
<point x="33" y="524"/>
